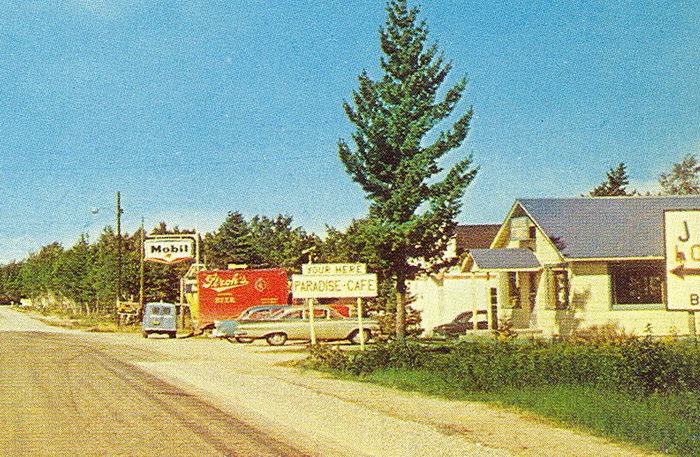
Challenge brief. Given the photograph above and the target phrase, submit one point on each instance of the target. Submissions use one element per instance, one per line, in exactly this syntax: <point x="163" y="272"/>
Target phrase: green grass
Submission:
<point x="668" y="423"/>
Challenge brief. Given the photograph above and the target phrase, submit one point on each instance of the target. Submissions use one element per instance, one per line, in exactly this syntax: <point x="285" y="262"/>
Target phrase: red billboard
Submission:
<point x="225" y="294"/>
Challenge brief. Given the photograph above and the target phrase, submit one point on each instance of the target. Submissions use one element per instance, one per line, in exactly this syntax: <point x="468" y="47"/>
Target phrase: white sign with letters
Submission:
<point x="168" y="251"/>
<point x="334" y="286"/>
<point x="333" y="269"/>
<point x="682" y="239"/>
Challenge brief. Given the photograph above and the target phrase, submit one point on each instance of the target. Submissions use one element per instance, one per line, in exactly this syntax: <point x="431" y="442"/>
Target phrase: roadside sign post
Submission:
<point x="682" y="250"/>
<point x="359" y="324"/>
<point x="312" y="328"/>
<point x="335" y="280"/>
<point x="167" y="249"/>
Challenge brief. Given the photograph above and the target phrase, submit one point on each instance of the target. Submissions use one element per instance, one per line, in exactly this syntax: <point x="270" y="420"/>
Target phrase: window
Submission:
<point x="532" y="232"/>
<point x="638" y="283"/>
<point x="463" y="318"/>
<point x="296" y="314"/>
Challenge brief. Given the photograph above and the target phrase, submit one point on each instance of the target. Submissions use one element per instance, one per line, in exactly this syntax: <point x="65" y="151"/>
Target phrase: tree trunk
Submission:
<point x="401" y="306"/>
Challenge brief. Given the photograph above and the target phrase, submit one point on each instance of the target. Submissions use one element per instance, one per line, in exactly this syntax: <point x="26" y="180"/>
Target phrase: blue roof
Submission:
<point x="606" y="227"/>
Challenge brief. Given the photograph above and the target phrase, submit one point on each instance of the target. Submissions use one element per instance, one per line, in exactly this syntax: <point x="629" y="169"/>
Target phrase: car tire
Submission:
<point x="354" y="337"/>
<point x="145" y="334"/>
<point x="244" y="340"/>
<point x="172" y="335"/>
<point x="276" y="339"/>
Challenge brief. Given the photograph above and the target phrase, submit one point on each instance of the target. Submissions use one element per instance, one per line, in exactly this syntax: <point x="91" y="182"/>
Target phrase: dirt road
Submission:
<point x="61" y="395"/>
<point x="197" y="392"/>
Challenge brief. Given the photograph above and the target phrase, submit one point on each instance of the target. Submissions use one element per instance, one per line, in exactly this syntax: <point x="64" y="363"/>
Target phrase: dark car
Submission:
<point x="462" y="323"/>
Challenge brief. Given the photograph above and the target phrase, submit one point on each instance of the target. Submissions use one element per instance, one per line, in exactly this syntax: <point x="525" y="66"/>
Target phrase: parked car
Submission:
<point x="293" y="324"/>
<point x="225" y="328"/>
<point x="159" y="317"/>
<point x="462" y="323"/>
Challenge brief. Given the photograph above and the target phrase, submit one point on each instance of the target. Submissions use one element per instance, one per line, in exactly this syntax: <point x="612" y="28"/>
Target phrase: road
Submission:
<point x="75" y="393"/>
<point x="62" y="395"/>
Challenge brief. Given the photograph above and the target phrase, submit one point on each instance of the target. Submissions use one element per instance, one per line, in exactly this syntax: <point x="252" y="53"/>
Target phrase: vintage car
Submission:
<point x="462" y="323"/>
<point x="159" y="317"/>
<point x="293" y="324"/>
<point x="225" y="328"/>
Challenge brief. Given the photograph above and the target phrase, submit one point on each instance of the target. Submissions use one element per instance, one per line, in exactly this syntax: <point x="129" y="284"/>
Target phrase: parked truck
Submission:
<point x="225" y="294"/>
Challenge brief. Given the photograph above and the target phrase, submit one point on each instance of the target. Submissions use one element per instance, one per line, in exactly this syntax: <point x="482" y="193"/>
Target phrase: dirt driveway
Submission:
<point x="313" y="411"/>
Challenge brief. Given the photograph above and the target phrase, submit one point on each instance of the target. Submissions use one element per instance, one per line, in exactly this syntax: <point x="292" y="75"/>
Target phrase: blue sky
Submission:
<point x="195" y="108"/>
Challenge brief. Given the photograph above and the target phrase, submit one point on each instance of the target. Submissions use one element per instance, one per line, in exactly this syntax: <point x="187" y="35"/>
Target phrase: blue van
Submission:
<point x="159" y="317"/>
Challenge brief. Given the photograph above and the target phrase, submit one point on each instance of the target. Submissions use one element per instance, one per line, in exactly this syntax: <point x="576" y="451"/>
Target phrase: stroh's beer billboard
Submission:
<point x="168" y="251"/>
<point x="225" y="294"/>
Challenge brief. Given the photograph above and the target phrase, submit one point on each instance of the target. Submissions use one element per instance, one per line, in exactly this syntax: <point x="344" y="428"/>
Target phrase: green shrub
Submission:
<point x="633" y="365"/>
<point x="324" y="356"/>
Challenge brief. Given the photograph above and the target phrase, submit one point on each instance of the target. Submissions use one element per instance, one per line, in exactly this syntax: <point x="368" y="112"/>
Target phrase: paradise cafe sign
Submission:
<point x="334" y="280"/>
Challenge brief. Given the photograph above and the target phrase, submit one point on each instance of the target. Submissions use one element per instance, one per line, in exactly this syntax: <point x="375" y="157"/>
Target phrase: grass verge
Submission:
<point x="92" y="323"/>
<point x="668" y="423"/>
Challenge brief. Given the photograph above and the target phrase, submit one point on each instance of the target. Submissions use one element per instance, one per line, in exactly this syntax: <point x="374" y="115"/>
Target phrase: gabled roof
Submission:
<point x="475" y="236"/>
<point x="519" y="259"/>
<point x="605" y="227"/>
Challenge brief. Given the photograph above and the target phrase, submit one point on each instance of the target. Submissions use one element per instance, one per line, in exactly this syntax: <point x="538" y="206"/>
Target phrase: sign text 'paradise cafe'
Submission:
<point x="334" y="281"/>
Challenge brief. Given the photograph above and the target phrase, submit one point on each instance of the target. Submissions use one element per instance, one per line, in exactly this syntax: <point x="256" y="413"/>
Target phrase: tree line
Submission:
<point x="682" y="179"/>
<point x="82" y="278"/>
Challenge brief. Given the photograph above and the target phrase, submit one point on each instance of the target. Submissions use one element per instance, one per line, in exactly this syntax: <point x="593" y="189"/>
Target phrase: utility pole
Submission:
<point x="119" y="250"/>
<point x="142" y="300"/>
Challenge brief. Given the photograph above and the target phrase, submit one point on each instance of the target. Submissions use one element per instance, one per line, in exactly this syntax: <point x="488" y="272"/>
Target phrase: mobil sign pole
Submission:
<point x="682" y="243"/>
<point x="167" y="249"/>
<point x="334" y="280"/>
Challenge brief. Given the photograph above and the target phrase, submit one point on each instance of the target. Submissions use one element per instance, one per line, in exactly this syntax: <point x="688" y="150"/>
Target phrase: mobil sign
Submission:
<point x="168" y="250"/>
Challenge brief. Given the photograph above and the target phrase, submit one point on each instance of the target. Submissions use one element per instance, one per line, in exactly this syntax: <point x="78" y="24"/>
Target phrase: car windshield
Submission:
<point x="464" y="317"/>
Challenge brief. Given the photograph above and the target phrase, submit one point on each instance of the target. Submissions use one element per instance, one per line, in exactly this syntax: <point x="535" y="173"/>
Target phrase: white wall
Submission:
<point x="441" y="298"/>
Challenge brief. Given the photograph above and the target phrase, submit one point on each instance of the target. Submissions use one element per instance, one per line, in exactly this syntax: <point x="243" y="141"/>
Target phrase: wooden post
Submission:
<point x="142" y="268"/>
<point x="475" y="307"/>
<point x="119" y="252"/>
<point x="312" y="329"/>
<point x="359" y="324"/>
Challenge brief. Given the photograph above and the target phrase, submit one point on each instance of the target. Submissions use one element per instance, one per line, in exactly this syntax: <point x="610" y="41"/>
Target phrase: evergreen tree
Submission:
<point x="278" y="243"/>
<point x="615" y="185"/>
<point x="73" y="268"/>
<point x="412" y="212"/>
<point x="231" y="243"/>
<point x="683" y="179"/>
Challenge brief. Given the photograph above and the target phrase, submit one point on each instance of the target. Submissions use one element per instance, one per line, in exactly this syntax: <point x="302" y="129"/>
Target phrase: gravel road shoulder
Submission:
<point x="338" y="417"/>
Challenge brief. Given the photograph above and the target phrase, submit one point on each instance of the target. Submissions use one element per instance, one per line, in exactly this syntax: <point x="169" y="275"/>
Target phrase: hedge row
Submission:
<point x="640" y="366"/>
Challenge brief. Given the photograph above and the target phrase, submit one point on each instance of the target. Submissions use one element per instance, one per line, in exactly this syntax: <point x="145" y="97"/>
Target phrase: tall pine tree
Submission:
<point x="615" y="184"/>
<point x="413" y="204"/>
<point x="231" y="243"/>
